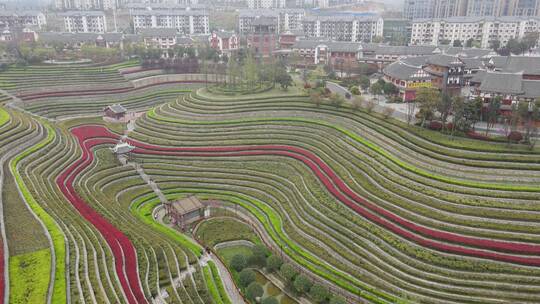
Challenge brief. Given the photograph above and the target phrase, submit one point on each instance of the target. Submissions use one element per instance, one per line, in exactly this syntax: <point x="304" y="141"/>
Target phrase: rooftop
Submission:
<point x="187" y="205"/>
<point x="83" y="13"/>
<point x="403" y="71"/>
<point x="169" y="12"/>
<point x="158" y="32"/>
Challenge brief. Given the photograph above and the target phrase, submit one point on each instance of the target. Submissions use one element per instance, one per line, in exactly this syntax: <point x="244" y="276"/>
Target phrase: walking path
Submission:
<point x="233" y="292"/>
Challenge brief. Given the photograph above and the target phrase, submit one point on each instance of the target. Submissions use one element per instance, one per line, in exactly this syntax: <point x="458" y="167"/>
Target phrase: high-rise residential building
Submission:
<point x="21" y="18"/>
<point x="524" y="7"/>
<point x="481" y="8"/>
<point x="449" y="8"/>
<point x="184" y="21"/>
<point x="483" y="30"/>
<point x="284" y="19"/>
<point x="85" y="22"/>
<point x="258" y="4"/>
<point x="86" y="4"/>
<point x="344" y="28"/>
<point x="416" y="9"/>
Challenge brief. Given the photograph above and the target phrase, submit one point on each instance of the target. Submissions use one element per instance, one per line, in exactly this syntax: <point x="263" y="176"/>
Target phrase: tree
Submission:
<point x="246" y="276"/>
<point x="270" y="300"/>
<point x="387" y="112"/>
<point x="316" y="98"/>
<point x="514" y="46"/>
<point x="337" y="300"/>
<point x="284" y="79"/>
<point x="494" y="45"/>
<point x="443" y="106"/>
<point x="238" y="262"/>
<point x="254" y="291"/>
<point x="530" y="40"/>
<point x="472" y="111"/>
<point x="427" y="100"/>
<point x="458" y="116"/>
<point x="376" y="89"/>
<point x="390" y="88"/>
<point x="273" y="263"/>
<point x="357" y="102"/>
<point x="469" y="42"/>
<point x="354" y="90"/>
<point x="336" y="100"/>
<point x="411" y="110"/>
<point x="493" y="112"/>
<point x="288" y="272"/>
<point x="457" y="43"/>
<point x="302" y="283"/>
<point x="250" y="71"/>
<point x="258" y="255"/>
<point x="377" y="39"/>
<point x="364" y="82"/>
<point x="318" y="293"/>
<point x="529" y="113"/>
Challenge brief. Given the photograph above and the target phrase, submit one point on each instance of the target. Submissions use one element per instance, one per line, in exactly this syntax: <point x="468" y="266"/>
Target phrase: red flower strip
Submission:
<point x="125" y="257"/>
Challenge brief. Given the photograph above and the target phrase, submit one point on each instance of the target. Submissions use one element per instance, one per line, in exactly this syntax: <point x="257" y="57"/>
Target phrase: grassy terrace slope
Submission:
<point x="32" y="79"/>
<point x="427" y="182"/>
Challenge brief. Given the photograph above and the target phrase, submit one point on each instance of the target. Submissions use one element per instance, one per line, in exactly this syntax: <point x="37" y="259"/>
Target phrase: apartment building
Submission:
<point x="343" y="28"/>
<point x="22" y="18"/>
<point x="284" y="19"/>
<point x="85" y="22"/>
<point x="481" y="29"/>
<point x="258" y="4"/>
<point x="86" y="4"/>
<point x="184" y="21"/>
<point x="418" y="9"/>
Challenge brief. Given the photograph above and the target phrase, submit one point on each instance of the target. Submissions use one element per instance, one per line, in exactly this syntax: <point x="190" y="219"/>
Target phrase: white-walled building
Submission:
<point x="258" y="4"/>
<point x="22" y="18"/>
<point x="86" y="4"/>
<point x="184" y="21"/>
<point x="480" y="29"/>
<point x="85" y="22"/>
<point x="343" y="28"/>
<point x="285" y="19"/>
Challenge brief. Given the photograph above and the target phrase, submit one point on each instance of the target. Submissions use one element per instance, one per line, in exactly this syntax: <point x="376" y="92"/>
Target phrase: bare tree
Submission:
<point x="411" y="111"/>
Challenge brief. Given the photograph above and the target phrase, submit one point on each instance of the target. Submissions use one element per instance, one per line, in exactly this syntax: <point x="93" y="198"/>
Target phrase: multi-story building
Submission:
<point x="483" y="30"/>
<point x="449" y="8"/>
<point x="284" y="19"/>
<point x="408" y="77"/>
<point x="86" y="4"/>
<point x="184" y="21"/>
<point x="263" y="38"/>
<point x="223" y="41"/>
<point x="323" y="51"/>
<point x="418" y="9"/>
<point x="397" y="31"/>
<point x="481" y="8"/>
<point x="446" y="73"/>
<point x="344" y="28"/>
<point x="160" y="38"/>
<point x="22" y="18"/>
<point x="85" y="22"/>
<point x="258" y="4"/>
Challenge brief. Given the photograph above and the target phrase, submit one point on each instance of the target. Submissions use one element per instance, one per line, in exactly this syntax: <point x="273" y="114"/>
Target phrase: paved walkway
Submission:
<point x="228" y="283"/>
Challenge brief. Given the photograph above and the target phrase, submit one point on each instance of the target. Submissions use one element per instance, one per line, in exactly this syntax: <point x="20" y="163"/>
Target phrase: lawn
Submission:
<point x="219" y="230"/>
<point x="29" y="274"/>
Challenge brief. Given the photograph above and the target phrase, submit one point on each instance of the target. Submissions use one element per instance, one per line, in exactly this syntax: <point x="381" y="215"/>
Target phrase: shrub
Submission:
<point x="435" y="125"/>
<point x="273" y="263"/>
<point x="387" y="112"/>
<point x="318" y="293"/>
<point x="307" y="86"/>
<point x="254" y="291"/>
<point x="238" y="262"/>
<point x="302" y="283"/>
<point x="337" y="300"/>
<point x="515" y="136"/>
<point x="246" y="276"/>
<point x="355" y="90"/>
<point x="258" y="256"/>
<point x="270" y="300"/>
<point x="288" y="272"/>
<point x="370" y="105"/>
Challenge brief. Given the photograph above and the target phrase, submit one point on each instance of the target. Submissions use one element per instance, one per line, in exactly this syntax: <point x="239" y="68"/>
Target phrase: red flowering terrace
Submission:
<point x="125" y="257"/>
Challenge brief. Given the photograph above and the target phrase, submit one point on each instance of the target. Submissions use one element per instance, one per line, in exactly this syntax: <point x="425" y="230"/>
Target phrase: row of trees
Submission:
<point x="260" y="258"/>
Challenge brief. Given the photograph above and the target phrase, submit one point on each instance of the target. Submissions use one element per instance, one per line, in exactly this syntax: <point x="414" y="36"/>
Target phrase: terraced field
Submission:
<point x="380" y="211"/>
